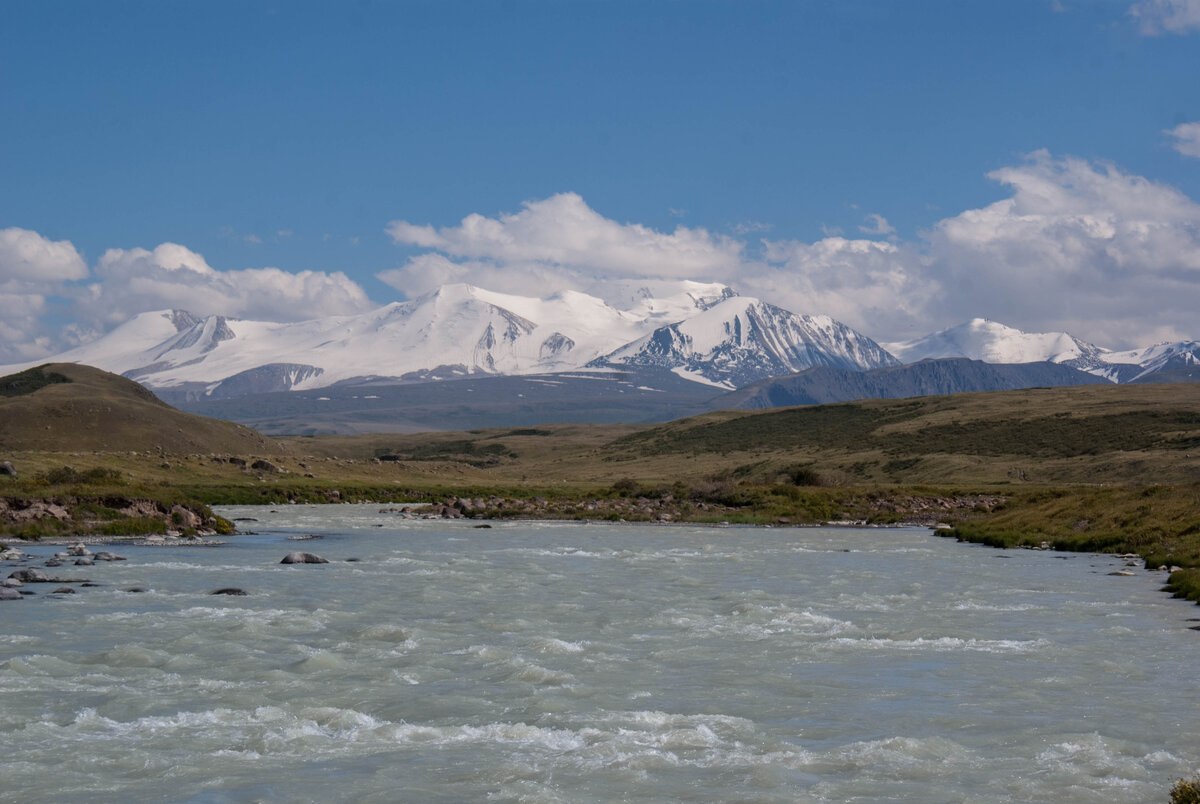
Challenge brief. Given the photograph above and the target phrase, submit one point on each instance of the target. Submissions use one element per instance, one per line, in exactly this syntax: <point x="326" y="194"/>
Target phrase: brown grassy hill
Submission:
<point x="66" y="407"/>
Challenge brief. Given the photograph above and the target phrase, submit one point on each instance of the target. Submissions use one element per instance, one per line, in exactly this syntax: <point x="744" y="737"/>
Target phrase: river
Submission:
<point x="564" y="662"/>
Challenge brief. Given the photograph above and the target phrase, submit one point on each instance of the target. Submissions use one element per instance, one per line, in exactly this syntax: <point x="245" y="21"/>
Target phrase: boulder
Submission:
<point x="263" y="465"/>
<point x="85" y="561"/>
<point x="79" y="550"/>
<point x="184" y="518"/>
<point x="11" y="583"/>
<point x="230" y="590"/>
<point x="6" y="468"/>
<point x="63" y="590"/>
<point x="298" y="557"/>
<point x="9" y="594"/>
<point x="104" y="555"/>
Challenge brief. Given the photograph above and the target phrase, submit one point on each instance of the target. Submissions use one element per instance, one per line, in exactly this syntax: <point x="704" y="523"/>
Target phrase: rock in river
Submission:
<point x="298" y="557"/>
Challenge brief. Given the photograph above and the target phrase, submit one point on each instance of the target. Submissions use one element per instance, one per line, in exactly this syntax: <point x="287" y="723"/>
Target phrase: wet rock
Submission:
<point x="230" y="590"/>
<point x="79" y="550"/>
<point x="136" y="590"/>
<point x="86" y="561"/>
<point x="54" y="562"/>
<point x="104" y="555"/>
<point x="9" y="594"/>
<point x="11" y="583"/>
<point x="63" y="590"/>
<point x="299" y="557"/>
<point x="11" y="554"/>
<point x="482" y="526"/>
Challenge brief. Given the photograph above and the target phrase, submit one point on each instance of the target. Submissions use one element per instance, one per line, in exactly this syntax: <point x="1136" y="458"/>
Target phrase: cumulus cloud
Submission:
<point x="26" y="256"/>
<point x="1187" y="138"/>
<point x="564" y="241"/>
<point x="32" y="268"/>
<point x="874" y="286"/>
<point x="130" y="281"/>
<point x="1078" y="246"/>
<point x="1166" y="16"/>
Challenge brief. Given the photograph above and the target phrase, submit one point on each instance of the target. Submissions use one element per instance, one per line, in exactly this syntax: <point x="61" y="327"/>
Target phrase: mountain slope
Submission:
<point x="454" y="331"/>
<point x="993" y="342"/>
<point x="825" y="384"/>
<point x="67" y="407"/>
<point x="742" y="339"/>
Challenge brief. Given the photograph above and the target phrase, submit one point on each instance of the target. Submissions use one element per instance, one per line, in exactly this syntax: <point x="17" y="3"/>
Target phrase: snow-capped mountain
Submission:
<point x="993" y="342"/>
<point x="742" y="339"/>
<point x="716" y="337"/>
<point x="1160" y="358"/>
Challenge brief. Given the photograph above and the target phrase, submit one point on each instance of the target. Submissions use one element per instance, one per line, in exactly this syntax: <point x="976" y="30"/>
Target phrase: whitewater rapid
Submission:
<point x="572" y="662"/>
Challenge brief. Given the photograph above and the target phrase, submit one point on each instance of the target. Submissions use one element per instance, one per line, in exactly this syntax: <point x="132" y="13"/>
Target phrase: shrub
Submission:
<point x="67" y="475"/>
<point x="1186" y="791"/>
<point x="134" y="526"/>
<point x="804" y="476"/>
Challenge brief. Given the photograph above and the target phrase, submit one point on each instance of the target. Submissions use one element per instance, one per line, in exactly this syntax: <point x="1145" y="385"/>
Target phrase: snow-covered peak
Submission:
<point x="743" y="339"/>
<point x="993" y="342"/>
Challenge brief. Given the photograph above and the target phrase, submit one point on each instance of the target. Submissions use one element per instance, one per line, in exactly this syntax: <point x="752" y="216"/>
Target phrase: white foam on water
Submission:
<point x="945" y="644"/>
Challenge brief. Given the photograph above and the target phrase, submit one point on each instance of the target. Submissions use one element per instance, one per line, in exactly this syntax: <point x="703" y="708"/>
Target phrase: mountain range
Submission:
<point x="704" y="337"/>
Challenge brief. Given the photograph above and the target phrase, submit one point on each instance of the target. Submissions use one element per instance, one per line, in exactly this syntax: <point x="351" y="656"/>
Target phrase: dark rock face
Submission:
<point x="298" y="557"/>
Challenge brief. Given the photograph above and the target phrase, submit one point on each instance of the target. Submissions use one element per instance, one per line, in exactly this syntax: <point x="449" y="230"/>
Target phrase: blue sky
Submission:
<point x="845" y="158"/>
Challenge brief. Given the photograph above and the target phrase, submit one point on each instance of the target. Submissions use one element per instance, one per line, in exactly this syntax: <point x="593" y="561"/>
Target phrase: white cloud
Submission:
<point x="878" y="225"/>
<point x="1166" y="16"/>
<point x="1081" y="246"/>
<point x="1078" y="246"/>
<point x="32" y="268"/>
<point x="173" y="276"/>
<point x="564" y="234"/>
<point x="874" y="286"/>
<point x="751" y="227"/>
<point x="1187" y="138"/>
<point x="28" y="257"/>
